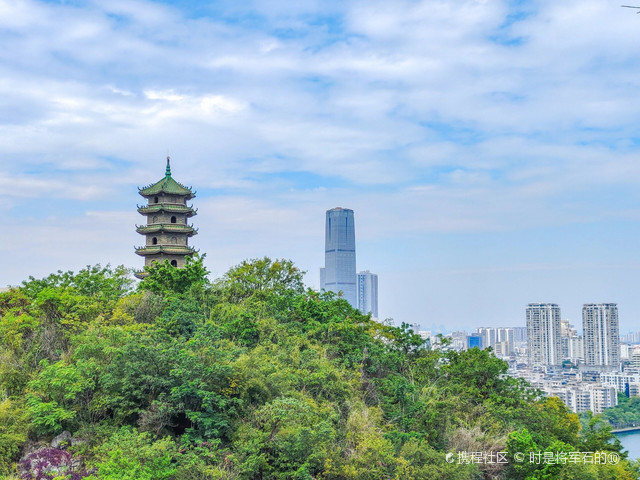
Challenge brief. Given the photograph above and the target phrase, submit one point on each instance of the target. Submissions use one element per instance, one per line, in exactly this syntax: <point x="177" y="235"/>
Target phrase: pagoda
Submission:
<point x="167" y="230"/>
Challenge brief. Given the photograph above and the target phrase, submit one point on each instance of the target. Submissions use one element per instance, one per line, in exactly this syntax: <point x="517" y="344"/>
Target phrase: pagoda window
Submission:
<point x="155" y="219"/>
<point x="155" y="199"/>
<point x="174" y="240"/>
<point x="174" y="263"/>
<point x="173" y="219"/>
<point x="154" y="240"/>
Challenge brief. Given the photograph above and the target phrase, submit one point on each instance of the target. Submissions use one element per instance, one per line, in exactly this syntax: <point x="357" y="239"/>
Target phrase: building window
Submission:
<point x="155" y="219"/>
<point x="174" y="263"/>
<point x="173" y="219"/>
<point x="154" y="240"/>
<point x="155" y="199"/>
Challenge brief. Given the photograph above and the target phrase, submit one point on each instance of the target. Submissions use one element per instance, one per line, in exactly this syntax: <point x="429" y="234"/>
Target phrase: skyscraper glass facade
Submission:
<point x="339" y="272"/>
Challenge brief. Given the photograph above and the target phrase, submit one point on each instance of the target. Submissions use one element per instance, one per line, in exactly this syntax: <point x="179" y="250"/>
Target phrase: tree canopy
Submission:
<point x="252" y="376"/>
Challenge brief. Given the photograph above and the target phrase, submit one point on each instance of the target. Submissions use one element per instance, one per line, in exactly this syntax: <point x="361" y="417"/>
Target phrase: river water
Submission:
<point x="631" y="442"/>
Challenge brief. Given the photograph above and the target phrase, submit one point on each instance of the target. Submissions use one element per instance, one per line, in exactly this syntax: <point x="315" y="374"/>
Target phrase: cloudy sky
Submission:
<point x="490" y="149"/>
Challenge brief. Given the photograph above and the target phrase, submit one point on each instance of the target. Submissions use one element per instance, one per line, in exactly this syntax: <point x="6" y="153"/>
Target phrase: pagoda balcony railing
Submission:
<point x="181" y="204"/>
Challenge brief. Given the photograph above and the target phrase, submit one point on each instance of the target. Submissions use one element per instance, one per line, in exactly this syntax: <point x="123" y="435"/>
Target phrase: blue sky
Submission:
<point x="489" y="149"/>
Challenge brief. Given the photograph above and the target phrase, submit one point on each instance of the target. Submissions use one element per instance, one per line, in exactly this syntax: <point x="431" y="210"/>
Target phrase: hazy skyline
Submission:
<point x="489" y="149"/>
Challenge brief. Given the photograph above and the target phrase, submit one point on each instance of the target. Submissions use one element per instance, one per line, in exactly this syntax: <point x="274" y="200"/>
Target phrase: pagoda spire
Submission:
<point x="168" y="171"/>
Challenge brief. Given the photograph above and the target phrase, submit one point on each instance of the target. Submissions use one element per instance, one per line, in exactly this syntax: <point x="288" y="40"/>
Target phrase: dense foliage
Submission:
<point x="254" y="377"/>
<point x="625" y="414"/>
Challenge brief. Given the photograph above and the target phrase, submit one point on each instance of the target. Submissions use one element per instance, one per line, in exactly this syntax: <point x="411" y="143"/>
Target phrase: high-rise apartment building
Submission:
<point x="519" y="334"/>
<point x="571" y="343"/>
<point x="339" y="272"/>
<point x="601" y="335"/>
<point x="543" y="334"/>
<point x="368" y="293"/>
<point x="498" y="338"/>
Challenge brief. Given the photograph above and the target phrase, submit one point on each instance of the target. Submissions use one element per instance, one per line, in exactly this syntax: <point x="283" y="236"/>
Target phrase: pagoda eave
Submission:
<point x="167" y="250"/>
<point x="147" y="195"/>
<point x="167" y="227"/>
<point x="167" y="207"/>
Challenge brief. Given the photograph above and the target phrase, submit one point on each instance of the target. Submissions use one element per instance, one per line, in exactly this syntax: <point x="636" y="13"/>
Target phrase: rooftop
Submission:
<point x="166" y="185"/>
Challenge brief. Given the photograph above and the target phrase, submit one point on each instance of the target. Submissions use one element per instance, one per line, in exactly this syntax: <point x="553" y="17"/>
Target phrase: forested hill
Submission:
<point x="252" y="376"/>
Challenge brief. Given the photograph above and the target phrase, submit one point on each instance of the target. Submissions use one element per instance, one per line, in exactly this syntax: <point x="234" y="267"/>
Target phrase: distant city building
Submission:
<point x="519" y="334"/>
<point x="167" y="228"/>
<point x="543" y="334"/>
<point x="631" y="337"/>
<point x="575" y="348"/>
<point x="566" y="329"/>
<point x="572" y="345"/>
<point x="585" y="397"/>
<point x="635" y="361"/>
<point x="488" y="335"/>
<point x="626" y="351"/>
<point x="339" y="272"/>
<point x="424" y="334"/>
<point x="474" y="341"/>
<point x="622" y="381"/>
<point x="503" y="349"/>
<point x="500" y="339"/>
<point x="458" y="340"/>
<point x="601" y="335"/>
<point x="368" y="293"/>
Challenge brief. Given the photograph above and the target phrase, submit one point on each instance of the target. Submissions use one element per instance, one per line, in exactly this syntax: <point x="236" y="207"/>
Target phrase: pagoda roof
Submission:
<point x="167" y="249"/>
<point x="167" y="207"/>
<point x="167" y="185"/>
<point x="141" y="274"/>
<point x="167" y="227"/>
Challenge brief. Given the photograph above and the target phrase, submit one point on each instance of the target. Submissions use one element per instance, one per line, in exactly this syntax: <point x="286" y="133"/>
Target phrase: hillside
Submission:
<point x="252" y="376"/>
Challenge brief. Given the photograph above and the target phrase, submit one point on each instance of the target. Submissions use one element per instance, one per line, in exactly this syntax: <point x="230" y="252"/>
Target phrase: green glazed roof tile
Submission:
<point x="166" y="185"/>
<point x="168" y="249"/>
<point x="166" y="207"/>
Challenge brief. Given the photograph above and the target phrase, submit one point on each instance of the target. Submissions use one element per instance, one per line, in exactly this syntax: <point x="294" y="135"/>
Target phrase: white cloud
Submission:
<point x="429" y="118"/>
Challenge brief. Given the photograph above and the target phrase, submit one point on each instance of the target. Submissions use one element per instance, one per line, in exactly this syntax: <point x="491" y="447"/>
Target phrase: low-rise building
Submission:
<point x="584" y="397"/>
<point x="621" y="381"/>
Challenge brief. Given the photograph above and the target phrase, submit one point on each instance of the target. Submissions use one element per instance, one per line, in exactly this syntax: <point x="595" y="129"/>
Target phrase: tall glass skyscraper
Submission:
<point x="339" y="272"/>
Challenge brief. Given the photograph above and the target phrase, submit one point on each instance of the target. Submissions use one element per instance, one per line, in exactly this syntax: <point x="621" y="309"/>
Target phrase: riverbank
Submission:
<point x="628" y="429"/>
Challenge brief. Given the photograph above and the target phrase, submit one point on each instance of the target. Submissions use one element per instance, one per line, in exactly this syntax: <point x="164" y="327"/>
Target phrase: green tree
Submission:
<point x="130" y="455"/>
<point x="13" y="432"/>
<point x="261" y="276"/>
<point x="105" y="283"/>
<point x="596" y="435"/>
<point x="165" y="279"/>
<point x="286" y="438"/>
